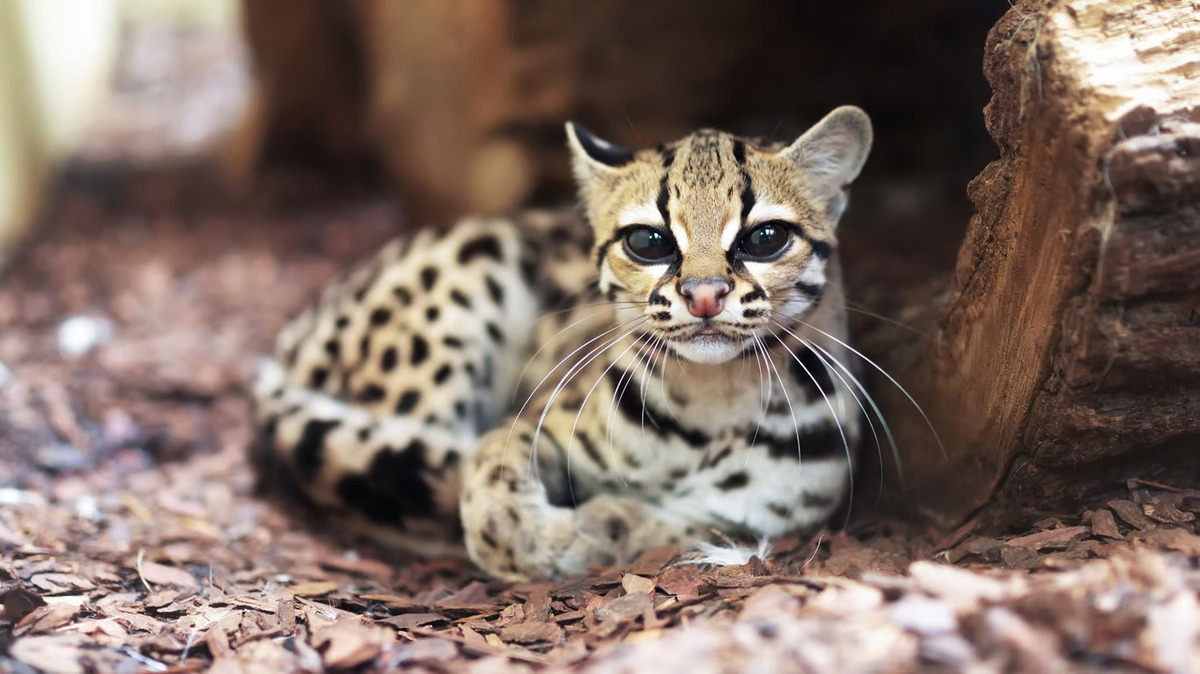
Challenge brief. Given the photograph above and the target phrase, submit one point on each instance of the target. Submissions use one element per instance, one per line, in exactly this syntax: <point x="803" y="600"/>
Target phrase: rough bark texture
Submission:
<point x="1072" y="337"/>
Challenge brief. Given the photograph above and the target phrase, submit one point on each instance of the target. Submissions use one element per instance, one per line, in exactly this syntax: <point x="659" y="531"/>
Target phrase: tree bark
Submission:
<point x="1068" y="353"/>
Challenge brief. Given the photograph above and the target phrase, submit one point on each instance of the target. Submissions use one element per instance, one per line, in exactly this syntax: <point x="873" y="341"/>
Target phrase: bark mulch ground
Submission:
<point x="132" y="538"/>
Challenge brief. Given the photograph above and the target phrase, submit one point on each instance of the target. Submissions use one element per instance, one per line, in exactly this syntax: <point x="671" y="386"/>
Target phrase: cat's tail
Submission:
<point x="396" y="479"/>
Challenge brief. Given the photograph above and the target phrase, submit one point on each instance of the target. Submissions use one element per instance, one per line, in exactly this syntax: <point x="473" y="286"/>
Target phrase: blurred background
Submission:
<point x="177" y="177"/>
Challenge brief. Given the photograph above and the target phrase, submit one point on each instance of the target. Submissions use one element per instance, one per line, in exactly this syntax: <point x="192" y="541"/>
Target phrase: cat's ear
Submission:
<point x="832" y="154"/>
<point x="593" y="157"/>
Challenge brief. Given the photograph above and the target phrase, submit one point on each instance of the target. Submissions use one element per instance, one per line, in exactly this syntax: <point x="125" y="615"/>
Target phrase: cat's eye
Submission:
<point x="765" y="242"/>
<point x="649" y="246"/>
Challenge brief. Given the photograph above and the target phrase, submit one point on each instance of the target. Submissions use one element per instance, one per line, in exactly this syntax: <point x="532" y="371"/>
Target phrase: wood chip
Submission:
<point x="161" y="574"/>
<point x="1131" y="513"/>
<point x="314" y="588"/>
<point x="636" y="584"/>
<point x="1104" y="525"/>
<point x="1048" y="538"/>
<point x="530" y="633"/>
<point x="350" y="643"/>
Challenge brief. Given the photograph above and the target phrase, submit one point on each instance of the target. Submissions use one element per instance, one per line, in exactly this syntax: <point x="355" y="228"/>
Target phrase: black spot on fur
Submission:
<point x="402" y="295"/>
<point x="816" y="500"/>
<point x="364" y="434"/>
<point x="333" y="348"/>
<point x="616" y="528"/>
<point x="754" y="296"/>
<point x="811" y="374"/>
<point x="821" y="249"/>
<point x="391" y="487"/>
<point x="752" y="313"/>
<point x="822" y="441"/>
<point x="380" y="316"/>
<point x="408" y="401"/>
<point x="488" y="540"/>
<point x="589" y="448"/>
<point x="494" y="332"/>
<point x="658" y="300"/>
<point x="779" y="510"/>
<point x="431" y="314"/>
<point x="342" y="322"/>
<point x="483" y="246"/>
<point x="317" y="378"/>
<point x="748" y="198"/>
<point x="364" y="347"/>
<point x="429" y="276"/>
<point x="661" y="315"/>
<point x="452" y="342"/>
<point x="420" y="350"/>
<point x="387" y="362"/>
<point x="495" y="290"/>
<point x="735" y="481"/>
<point x="372" y="393"/>
<point x="715" y="459"/>
<point x="460" y="299"/>
<point x="812" y="290"/>
<point x="443" y="373"/>
<point x="678" y="473"/>
<point x="629" y="402"/>
<point x="460" y="409"/>
<point x="739" y="152"/>
<point x="309" y="452"/>
<point x="529" y="272"/>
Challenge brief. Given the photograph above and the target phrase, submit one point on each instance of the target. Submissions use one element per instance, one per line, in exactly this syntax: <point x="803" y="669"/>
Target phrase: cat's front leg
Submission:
<point x="520" y="524"/>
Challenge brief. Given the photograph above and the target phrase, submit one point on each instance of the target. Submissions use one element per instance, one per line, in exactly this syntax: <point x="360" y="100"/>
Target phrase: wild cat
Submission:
<point x="676" y="345"/>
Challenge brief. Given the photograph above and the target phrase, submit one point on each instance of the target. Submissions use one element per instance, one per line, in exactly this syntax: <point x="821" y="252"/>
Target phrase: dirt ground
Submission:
<point x="132" y="537"/>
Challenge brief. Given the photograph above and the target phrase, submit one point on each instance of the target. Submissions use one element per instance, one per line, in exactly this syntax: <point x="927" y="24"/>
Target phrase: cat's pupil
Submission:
<point x="648" y="245"/>
<point x="766" y="240"/>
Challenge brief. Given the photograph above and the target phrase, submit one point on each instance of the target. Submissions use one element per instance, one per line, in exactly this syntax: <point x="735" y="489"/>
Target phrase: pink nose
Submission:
<point x="705" y="297"/>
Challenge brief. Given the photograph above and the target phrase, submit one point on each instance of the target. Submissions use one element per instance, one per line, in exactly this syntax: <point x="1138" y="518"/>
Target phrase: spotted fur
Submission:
<point x="573" y="394"/>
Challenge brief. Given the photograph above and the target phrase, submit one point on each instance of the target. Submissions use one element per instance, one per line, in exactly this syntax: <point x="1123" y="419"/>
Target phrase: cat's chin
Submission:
<point x="709" y="349"/>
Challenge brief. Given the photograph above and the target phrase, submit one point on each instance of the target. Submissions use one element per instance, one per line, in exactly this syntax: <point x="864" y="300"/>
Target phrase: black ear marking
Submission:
<point x="599" y="149"/>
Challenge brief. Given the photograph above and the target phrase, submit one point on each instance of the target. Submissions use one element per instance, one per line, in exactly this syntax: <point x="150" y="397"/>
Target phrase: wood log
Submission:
<point x="1067" y="357"/>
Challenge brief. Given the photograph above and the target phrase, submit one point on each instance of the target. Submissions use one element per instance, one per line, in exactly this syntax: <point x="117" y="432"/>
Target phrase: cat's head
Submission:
<point x="714" y="240"/>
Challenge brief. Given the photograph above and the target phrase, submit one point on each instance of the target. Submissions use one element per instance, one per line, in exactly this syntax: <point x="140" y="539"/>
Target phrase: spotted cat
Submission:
<point x="557" y="390"/>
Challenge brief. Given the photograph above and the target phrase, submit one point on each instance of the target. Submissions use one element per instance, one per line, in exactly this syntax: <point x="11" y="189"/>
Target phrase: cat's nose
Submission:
<point x="705" y="296"/>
